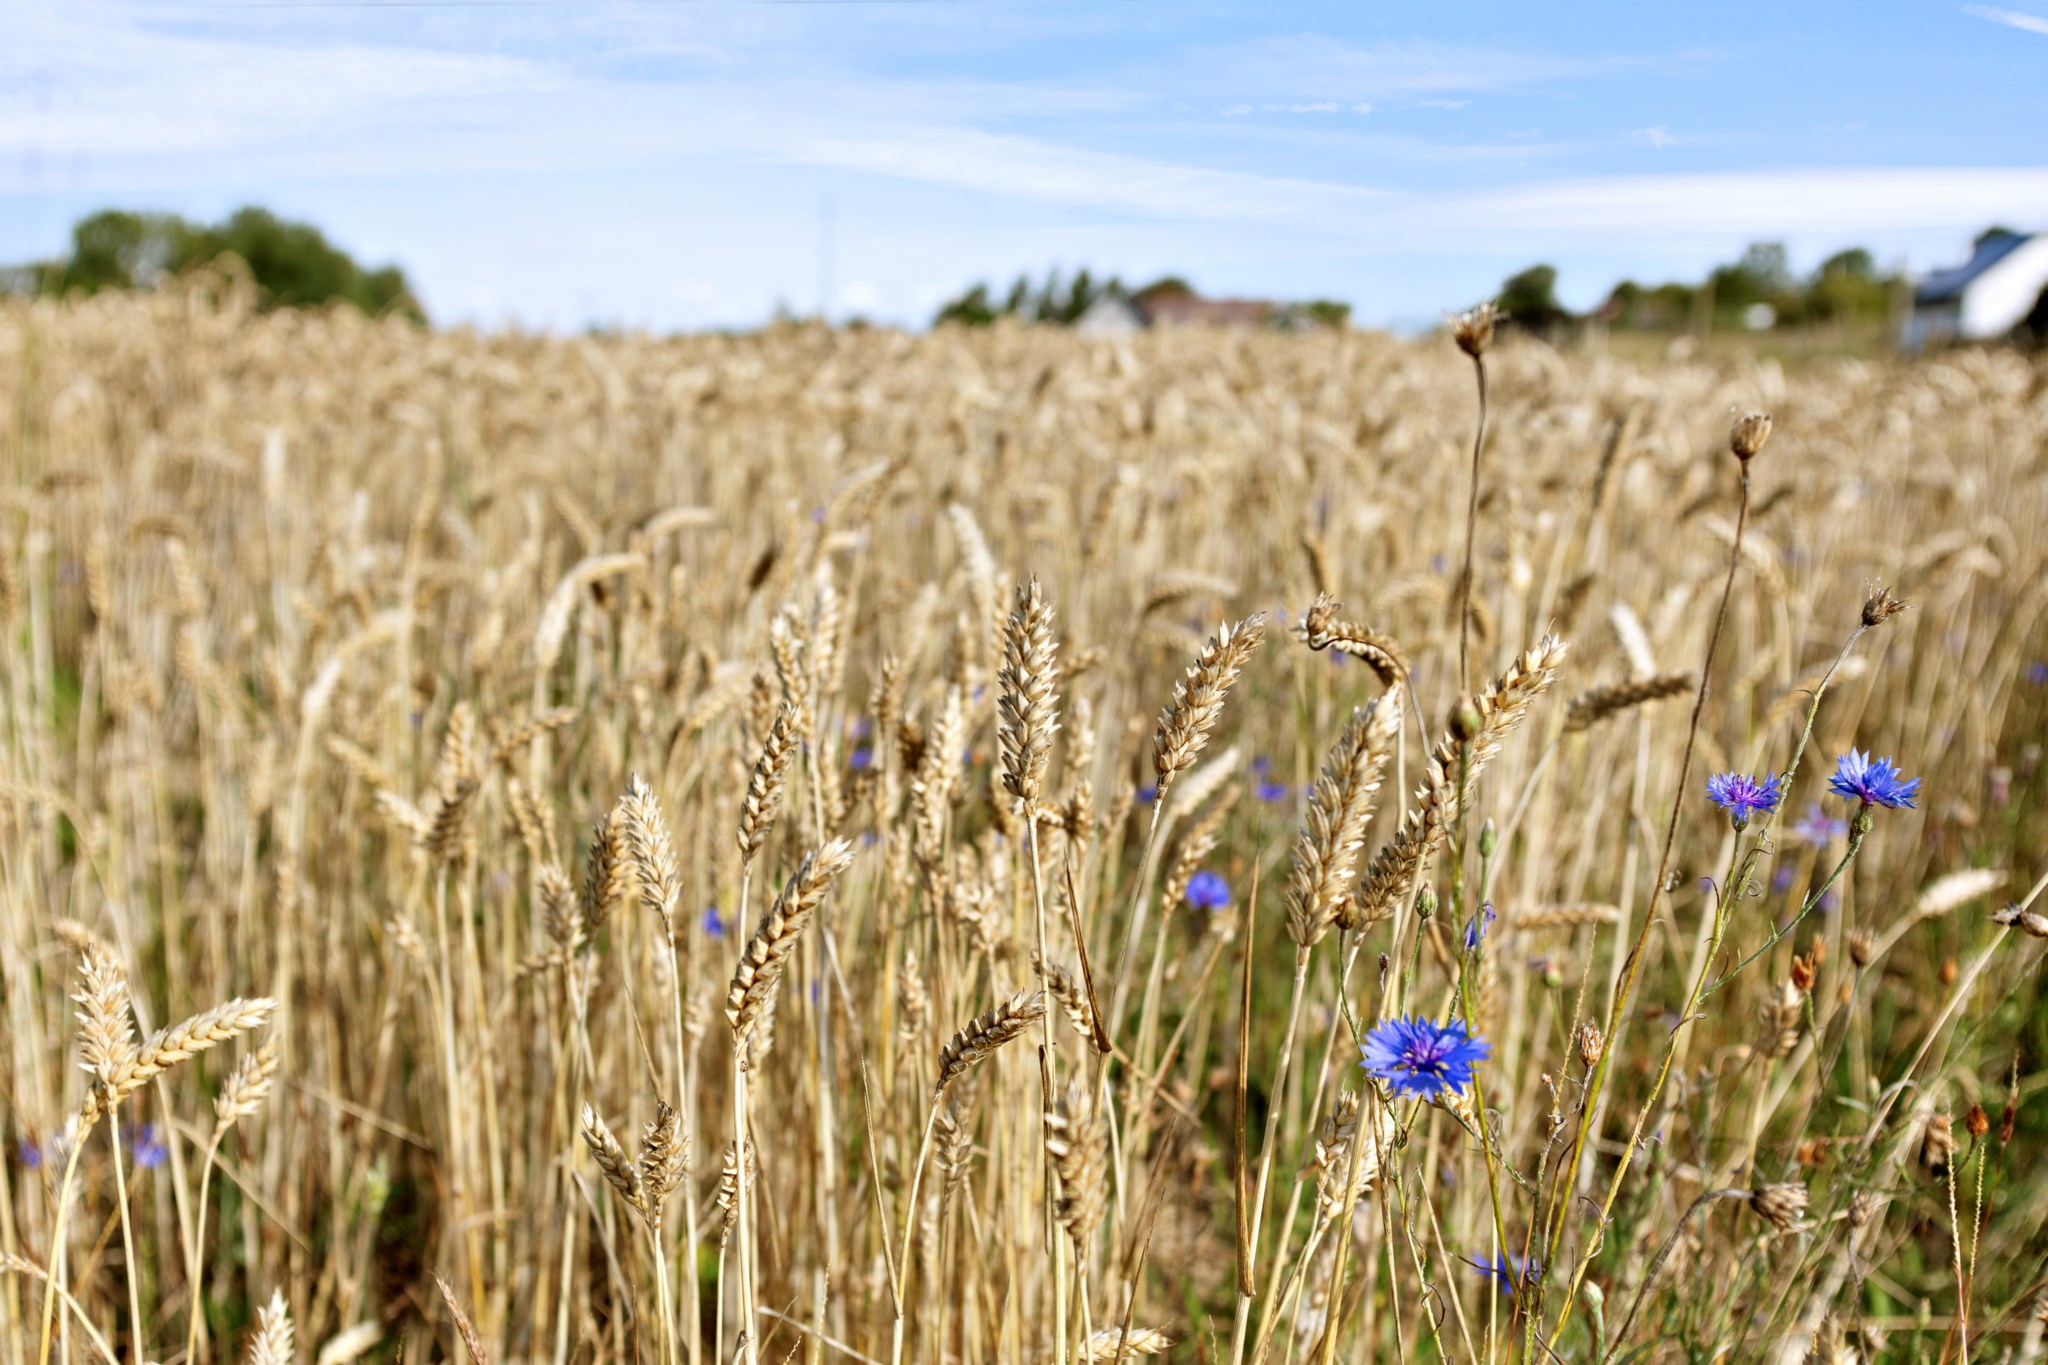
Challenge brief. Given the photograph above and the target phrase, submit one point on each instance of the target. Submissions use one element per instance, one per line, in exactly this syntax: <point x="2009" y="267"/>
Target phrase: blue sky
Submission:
<point x="690" y="163"/>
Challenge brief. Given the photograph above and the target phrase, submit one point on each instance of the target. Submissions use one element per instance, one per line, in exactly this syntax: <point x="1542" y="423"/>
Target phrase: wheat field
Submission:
<point x="852" y="846"/>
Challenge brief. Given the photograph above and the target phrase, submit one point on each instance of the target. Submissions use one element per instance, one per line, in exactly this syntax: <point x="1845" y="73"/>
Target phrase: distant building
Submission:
<point x="1173" y="304"/>
<point x="1111" y="315"/>
<point x="1985" y="298"/>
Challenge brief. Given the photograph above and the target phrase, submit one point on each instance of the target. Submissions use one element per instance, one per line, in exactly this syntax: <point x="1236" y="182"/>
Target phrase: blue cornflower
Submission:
<point x="1270" y="791"/>
<point x="1742" y="795"/>
<point x="2037" y="672"/>
<point x="1874" y="782"/>
<point x="148" y="1145"/>
<point x="861" y="759"/>
<point x="1475" y="928"/>
<point x="1208" y="891"/>
<point x="1262" y="765"/>
<point x="1418" y="1057"/>
<point x="714" y="923"/>
<point x="1818" y="828"/>
<point x="1147" y="795"/>
<point x="28" y="1153"/>
<point x="1510" y="1272"/>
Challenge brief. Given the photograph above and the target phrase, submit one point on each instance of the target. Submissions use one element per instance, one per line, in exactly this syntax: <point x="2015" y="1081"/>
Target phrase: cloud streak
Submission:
<point x="2011" y="18"/>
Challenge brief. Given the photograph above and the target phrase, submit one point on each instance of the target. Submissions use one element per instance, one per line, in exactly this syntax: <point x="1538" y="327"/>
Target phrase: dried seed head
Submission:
<point x="1185" y="724"/>
<point x="771" y="775"/>
<point x="988" y="1032"/>
<point x="1332" y="830"/>
<point x="1746" y="436"/>
<point x="1881" y="606"/>
<point x="1937" y="1145"/>
<point x="246" y="1087"/>
<point x="767" y="952"/>
<point x="1473" y="328"/>
<point x="1783" y="1014"/>
<point x="1077" y="1140"/>
<point x="612" y="1159"/>
<point x="664" y="1157"/>
<point x="1333" y="1158"/>
<point x="1977" y="1121"/>
<point x="1592" y="1045"/>
<point x="106" y="1037"/>
<point x="1026" y="708"/>
<point x="653" y="851"/>
<point x="1782" y="1205"/>
<point x="464" y="1328"/>
<point x="1862" y="947"/>
<point x="272" y="1344"/>
<point x="2026" y="921"/>
<point x="728" y="1197"/>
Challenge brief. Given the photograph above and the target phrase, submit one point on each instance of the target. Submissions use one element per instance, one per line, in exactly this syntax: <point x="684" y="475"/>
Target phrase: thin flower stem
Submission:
<point x="1471" y="523"/>
<point x="1779" y="936"/>
<point x="1633" y="965"/>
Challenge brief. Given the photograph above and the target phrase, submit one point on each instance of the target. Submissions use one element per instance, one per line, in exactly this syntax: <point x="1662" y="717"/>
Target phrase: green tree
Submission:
<point x="1530" y="300"/>
<point x="292" y="263"/>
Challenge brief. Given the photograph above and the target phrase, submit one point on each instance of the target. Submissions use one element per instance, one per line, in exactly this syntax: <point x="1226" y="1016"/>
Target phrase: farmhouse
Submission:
<point x="1173" y="304"/>
<point x="1986" y="297"/>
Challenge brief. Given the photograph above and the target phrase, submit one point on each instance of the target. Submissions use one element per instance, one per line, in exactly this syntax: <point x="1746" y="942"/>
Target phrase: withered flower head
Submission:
<point x="1881" y="605"/>
<point x="1782" y="1206"/>
<point x="1748" y="434"/>
<point x="1473" y="329"/>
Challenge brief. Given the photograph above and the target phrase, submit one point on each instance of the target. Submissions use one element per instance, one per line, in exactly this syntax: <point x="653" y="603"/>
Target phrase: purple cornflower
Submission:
<point x="1874" y="782"/>
<point x="714" y="923"/>
<point x="1818" y="828"/>
<point x="1475" y="928"/>
<point x="2037" y="672"/>
<point x="28" y="1153"/>
<point x="148" y="1145"/>
<point x="1208" y="891"/>
<point x="1416" y="1056"/>
<point x="861" y="759"/>
<point x="1261" y="765"/>
<point x="1270" y="791"/>
<point x="1742" y="795"/>
<point x="1510" y="1272"/>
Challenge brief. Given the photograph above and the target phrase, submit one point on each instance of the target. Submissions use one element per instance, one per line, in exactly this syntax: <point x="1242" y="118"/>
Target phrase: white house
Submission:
<point x="1985" y="297"/>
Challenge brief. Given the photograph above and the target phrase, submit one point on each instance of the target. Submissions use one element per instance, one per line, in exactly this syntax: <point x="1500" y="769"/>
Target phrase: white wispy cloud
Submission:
<point x="1015" y="166"/>
<point x="2011" y="18"/>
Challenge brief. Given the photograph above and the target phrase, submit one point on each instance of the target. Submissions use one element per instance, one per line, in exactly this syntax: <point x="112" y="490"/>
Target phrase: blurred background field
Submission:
<point x="327" y="637"/>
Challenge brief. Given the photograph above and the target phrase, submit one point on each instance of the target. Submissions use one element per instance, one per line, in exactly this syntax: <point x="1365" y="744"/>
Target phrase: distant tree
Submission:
<point x="1762" y="275"/>
<point x="292" y="263"/>
<point x="971" y="309"/>
<point x="1530" y="300"/>
<point x="1846" y="287"/>
<point x="1653" y="308"/>
<point x="1328" y="312"/>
